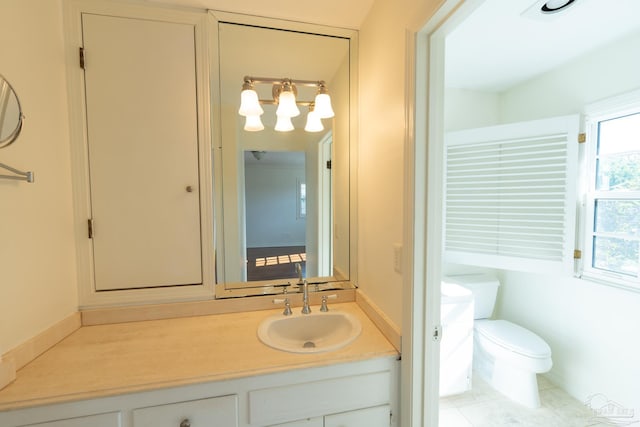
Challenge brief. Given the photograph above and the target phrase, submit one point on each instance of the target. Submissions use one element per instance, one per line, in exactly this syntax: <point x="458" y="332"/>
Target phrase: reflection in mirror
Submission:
<point x="276" y="216"/>
<point x="285" y="195"/>
<point x="10" y="114"/>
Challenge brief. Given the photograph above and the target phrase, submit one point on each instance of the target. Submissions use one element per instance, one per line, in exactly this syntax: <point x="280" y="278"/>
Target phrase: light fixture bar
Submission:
<point x="268" y="80"/>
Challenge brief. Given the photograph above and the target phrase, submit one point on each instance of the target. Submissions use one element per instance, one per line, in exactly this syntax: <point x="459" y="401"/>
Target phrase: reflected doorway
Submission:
<point x="276" y="214"/>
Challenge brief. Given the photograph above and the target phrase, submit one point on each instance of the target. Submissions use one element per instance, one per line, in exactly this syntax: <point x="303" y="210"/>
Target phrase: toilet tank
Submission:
<point x="484" y="288"/>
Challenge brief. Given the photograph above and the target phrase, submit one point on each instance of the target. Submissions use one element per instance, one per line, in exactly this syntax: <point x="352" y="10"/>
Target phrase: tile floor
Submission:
<point x="484" y="407"/>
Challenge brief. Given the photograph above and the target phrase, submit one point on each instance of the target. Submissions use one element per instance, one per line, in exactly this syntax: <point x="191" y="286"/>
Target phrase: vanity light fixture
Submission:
<point x="284" y="92"/>
<point x="323" y="103"/>
<point x="249" y="103"/>
<point x="253" y="123"/>
<point x="314" y="124"/>
<point x="283" y="124"/>
<point x="286" y="98"/>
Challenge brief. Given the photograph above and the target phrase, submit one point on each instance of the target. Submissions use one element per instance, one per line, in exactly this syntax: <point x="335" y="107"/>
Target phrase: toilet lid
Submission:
<point x="513" y="337"/>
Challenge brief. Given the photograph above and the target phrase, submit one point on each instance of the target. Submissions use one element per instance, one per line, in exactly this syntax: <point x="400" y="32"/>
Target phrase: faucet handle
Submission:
<point x="324" y="306"/>
<point x="287" y="306"/>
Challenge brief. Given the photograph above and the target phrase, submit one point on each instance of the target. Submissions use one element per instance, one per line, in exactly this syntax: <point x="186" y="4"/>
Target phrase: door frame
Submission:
<point x="424" y="168"/>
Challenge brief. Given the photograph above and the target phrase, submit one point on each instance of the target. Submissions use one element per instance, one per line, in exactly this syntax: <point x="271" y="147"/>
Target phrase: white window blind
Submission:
<point x="510" y="195"/>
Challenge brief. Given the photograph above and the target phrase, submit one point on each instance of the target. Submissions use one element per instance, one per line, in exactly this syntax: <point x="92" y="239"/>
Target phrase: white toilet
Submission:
<point x="507" y="356"/>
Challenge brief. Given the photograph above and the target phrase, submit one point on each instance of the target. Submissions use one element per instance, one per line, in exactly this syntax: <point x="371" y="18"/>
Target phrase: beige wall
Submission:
<point x="381" y="150"/>
<point x="37" y="254"/>
<point x="37" y="259"/>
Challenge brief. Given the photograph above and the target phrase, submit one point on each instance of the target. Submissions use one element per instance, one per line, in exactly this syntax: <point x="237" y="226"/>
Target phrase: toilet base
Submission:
<point x="516" y="384"/>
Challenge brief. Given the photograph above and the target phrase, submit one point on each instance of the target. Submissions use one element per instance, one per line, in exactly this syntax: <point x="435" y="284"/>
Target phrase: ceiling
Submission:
<point x="501" y="44"/>
<point x="336" y="13"/>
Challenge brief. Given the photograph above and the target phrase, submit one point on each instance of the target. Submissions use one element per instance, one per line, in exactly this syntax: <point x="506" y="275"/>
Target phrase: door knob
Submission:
<point x="189" y="190"/>
<point x="185" y="423"/>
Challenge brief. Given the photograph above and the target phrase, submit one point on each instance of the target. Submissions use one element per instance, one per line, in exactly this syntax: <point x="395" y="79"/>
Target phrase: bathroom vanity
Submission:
<point x="131" y="216"/>
<point x="205" y="370"/>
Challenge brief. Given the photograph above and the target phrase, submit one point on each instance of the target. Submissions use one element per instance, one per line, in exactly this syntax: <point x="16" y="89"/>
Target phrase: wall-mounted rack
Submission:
<point x="19" y="175"/>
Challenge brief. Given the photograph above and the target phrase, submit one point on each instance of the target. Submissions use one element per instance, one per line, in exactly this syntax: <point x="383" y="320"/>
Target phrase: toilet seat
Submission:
<point x="514" y="338"/>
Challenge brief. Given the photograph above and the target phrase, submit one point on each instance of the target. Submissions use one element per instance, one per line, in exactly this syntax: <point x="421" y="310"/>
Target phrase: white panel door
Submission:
<point x="111" y="419"/>
<point x="142" y="132"/>
<point x="379" y="416"/>
<point x="213" y="412"/>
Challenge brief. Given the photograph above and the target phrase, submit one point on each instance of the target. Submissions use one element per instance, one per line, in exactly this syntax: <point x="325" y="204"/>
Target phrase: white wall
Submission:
<point x="382" y="79"/>
<point x="465" y="109"/>
<point x="271" y="206"/>
<point x="592" y="329"/>
<point x="38" y="285"/>
<point x="609" y="71"/>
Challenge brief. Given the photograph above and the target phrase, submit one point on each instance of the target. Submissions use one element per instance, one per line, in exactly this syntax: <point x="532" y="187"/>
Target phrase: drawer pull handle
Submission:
<point x="185" y="423"/>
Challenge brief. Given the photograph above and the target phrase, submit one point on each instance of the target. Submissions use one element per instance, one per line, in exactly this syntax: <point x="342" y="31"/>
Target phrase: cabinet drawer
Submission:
<point x="111" y="419"/>
<point x="318" y="398"/>
<point x="216" y="411"/>
<point x="380" y="416"/>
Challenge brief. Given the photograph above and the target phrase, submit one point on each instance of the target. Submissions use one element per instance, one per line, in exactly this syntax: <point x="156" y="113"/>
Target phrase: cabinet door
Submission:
<point x="213" y="412"/>
<point x="142" y="136"/>
<point x="309" y="422"/>
<point x="111" y="419"/>
<point x="379" y="416"/>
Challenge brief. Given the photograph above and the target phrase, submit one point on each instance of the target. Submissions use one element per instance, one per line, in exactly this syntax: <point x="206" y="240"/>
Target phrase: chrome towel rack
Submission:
<point x="19" y="175"/>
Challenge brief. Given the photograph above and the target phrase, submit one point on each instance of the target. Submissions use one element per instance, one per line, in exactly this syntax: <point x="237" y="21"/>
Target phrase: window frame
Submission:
<point x="611" y="108"/>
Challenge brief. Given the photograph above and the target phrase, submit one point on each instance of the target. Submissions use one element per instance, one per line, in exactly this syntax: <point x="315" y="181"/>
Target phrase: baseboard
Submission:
<point x="34" y="347"/>
<point x="381" y="320"/>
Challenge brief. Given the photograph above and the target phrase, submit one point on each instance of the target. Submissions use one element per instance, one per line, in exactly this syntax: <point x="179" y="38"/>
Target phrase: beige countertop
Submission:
<point x="105" y="360"/>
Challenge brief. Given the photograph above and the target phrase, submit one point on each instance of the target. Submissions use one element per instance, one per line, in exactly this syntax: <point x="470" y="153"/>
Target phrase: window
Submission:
<point x="302" y="199"/>
<point x="612" y="226"/>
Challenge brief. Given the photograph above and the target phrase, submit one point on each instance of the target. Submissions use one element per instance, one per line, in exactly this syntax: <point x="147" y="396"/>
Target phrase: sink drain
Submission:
<point x="309" y="344"/>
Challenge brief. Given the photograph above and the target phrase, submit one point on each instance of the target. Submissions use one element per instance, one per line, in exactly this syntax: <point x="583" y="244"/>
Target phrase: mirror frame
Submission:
<point x="10" y="139"/>
<point x="259" y="288"/>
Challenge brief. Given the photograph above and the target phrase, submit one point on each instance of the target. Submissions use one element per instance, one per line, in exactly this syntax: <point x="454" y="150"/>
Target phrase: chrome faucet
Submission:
<point x="305" y="298"/>
<point x="299" y="271"/>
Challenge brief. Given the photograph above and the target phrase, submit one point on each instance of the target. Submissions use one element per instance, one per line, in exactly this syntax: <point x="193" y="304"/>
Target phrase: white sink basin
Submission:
<point x="309" y="333"/>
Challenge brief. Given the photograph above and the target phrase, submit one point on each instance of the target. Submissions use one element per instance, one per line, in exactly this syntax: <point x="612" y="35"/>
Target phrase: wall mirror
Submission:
<point x="10" y="114"/>
<point x="283" y="199"/>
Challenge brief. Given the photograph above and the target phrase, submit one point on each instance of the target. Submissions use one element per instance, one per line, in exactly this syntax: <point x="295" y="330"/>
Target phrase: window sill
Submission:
<point x="611" y="280"/>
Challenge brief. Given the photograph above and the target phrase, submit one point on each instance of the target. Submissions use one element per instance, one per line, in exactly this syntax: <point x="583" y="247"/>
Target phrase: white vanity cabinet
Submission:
<point x="217" y="411"/>
<point x="354" y="394"/>
<point x="112" y="419"/>
<point x="307" y="422"/>
<point x="378" y="416"/>
<point x="289" y="402"/>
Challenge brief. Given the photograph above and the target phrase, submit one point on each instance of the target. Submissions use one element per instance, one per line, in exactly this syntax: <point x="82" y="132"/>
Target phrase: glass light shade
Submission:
<point x="287" y="105"/>
<point x="249" y="103"/>
<point x="323" y="106"/>
<point x="253" y="123"/>
<point x="314" y="124"/>
<point x="283" y="124"/>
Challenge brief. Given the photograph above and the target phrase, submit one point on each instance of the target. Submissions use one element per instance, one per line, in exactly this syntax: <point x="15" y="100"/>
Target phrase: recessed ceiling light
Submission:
<point x="554" y="6"/>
